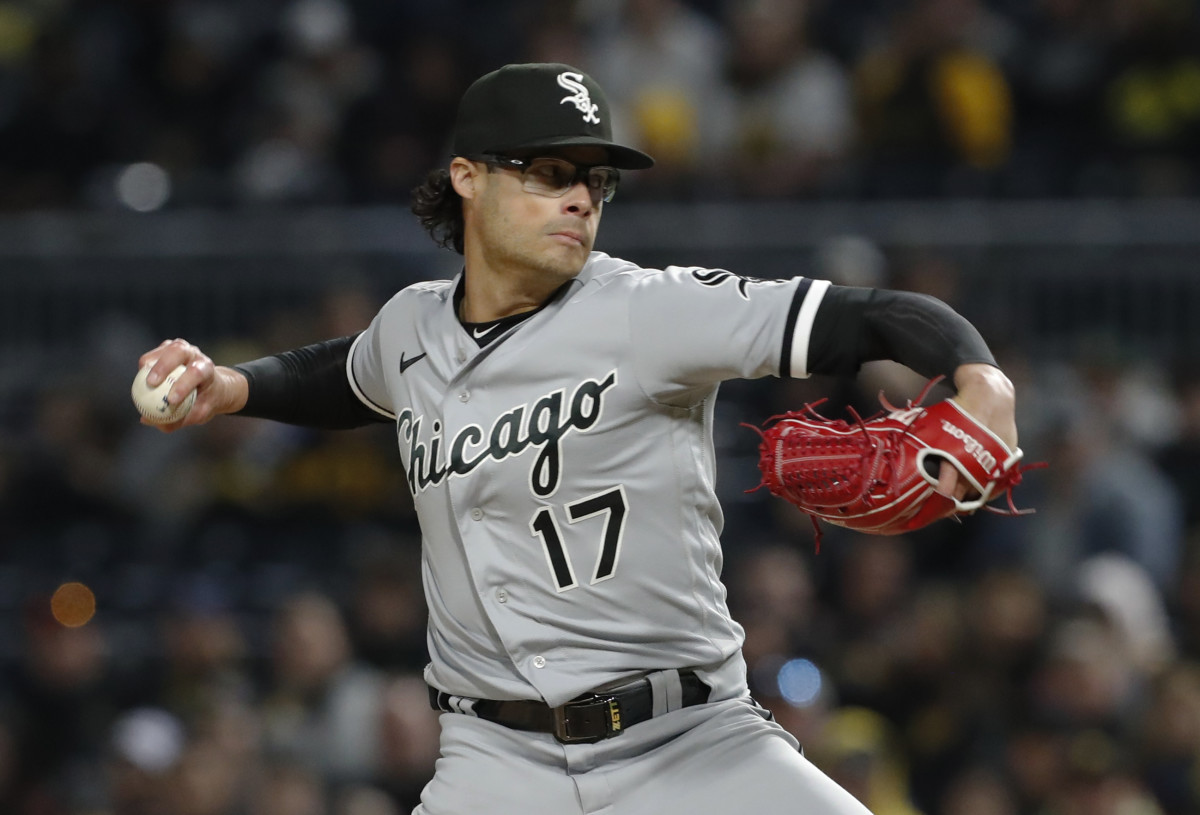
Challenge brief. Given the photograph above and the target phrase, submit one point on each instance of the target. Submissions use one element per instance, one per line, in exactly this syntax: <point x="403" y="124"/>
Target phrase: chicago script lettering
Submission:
<point x="541" y="427"/>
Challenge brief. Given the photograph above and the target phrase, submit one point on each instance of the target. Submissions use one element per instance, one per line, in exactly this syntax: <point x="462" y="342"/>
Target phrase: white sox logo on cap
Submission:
<point x="512" y="110"/>
<point x="580" y="97"/>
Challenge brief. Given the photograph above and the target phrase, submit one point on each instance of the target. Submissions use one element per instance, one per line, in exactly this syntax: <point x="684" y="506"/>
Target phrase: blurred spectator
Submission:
<point x="1152" y="97"/>
<point x="289" y="789"/>
<point x="934" y="101"/>
<point x="1057" y="76"/>
<point x="365" y="800"/>
<point x="859" y="751"/>
<point x="387" y="614"/>
<point x="1169" y="739"/>
<point x="205" y="651"/>
<point x="65" y="696"/>
<point x="1185" y="605"/>
<point x="851" y="260"/>
<point x="871" y="590"/>
<point x="780" y="120"/>
<point x="321" y="71"/>
<point x="65" y="473"/>
<point x="775" y="600"/>
<point x="1108" y="494"/>
<point x="410" y="739"/>
<point x="556" y="30"/>
<point x="934" y="699"/>
<point x="1123" y="592"/>
<point x="657" y="60"/>
<point x="8" y="505"/>
<point x="1100" y="779"/>
<point x="322" y="706"/>
<point x="980" y="791"/>
<point x="1087" y="678"/>
<point x="1179" y="457"/>
<point x="208" y="781"/>
<point x="1006" y="625"/>
<point x="1035" y="760"/>
<point x="395" y="134"/>
<point x="343" y="474"/>
<point x="12" y="779"/>
<point x="147" y="745"/>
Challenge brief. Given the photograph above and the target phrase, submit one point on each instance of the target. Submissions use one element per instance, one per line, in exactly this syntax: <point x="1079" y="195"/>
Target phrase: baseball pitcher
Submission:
<point x="553" y="410"/>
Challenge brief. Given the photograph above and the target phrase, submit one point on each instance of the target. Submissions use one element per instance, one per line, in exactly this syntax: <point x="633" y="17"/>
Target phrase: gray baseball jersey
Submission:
<point x="563" y="474"/>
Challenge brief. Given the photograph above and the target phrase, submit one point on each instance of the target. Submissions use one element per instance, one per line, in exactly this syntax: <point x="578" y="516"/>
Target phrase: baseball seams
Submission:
<point x="152" y="402"/>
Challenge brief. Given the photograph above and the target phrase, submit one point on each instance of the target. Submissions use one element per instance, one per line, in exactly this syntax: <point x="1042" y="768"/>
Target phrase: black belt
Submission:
<point x="584" y="720"/>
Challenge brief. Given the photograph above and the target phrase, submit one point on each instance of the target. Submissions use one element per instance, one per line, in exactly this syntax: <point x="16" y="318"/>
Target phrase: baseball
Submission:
<point x="152" y="402"/>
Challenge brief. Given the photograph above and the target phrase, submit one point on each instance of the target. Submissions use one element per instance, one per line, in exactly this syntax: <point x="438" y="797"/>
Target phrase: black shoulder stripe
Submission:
<point x="789" y="328"/>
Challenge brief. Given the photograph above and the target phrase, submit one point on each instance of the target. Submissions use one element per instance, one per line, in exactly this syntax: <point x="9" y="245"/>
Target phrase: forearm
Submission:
<point x="305" y="386"/>
<point x="857" y="325"/>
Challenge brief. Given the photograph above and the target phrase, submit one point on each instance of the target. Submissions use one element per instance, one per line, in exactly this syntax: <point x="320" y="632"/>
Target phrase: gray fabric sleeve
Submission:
<point x="692" y="328"/>
<point x="365" y="367"/>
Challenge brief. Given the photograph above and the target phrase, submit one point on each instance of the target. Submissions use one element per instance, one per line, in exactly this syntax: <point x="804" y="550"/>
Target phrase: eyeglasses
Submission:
<point x="552" y="177"/>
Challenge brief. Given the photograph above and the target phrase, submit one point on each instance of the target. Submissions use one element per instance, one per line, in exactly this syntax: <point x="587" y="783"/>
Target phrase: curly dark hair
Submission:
<point x="440" y="209"/>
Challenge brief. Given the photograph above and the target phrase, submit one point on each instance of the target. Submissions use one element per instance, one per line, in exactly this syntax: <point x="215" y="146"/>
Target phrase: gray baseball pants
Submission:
<point x="712" y="759"/>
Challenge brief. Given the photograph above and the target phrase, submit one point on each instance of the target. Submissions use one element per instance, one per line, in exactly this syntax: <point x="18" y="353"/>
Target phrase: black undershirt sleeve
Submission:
<point x="856" y="325"/>
<point x="306" y="386"/>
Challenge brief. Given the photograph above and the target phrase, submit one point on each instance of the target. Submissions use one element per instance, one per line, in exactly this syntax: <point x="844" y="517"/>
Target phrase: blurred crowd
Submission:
<point x="258" y="637"/>
<point x="152" y="103"/>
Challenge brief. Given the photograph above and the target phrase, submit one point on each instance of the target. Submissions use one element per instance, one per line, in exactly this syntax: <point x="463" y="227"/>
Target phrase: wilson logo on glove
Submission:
<point x="880" y="475"/>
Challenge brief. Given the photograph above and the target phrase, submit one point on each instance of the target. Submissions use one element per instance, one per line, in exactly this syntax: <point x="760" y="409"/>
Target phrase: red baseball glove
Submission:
<point x="880" y="475"/>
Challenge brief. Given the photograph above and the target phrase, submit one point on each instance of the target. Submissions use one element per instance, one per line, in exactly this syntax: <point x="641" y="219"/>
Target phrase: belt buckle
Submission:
<point x="586" y="721"/>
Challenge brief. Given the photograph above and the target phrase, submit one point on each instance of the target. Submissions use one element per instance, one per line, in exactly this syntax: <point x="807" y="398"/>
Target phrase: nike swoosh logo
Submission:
<point x="405" y="363"/>
<point x="478" y="333"/>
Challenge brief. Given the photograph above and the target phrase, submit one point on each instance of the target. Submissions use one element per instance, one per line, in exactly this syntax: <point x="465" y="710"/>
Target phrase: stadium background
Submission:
<point x="238" y="172"/>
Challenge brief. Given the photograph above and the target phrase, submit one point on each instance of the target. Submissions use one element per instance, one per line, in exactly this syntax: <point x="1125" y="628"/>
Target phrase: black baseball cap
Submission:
<point x="519" y="108"/>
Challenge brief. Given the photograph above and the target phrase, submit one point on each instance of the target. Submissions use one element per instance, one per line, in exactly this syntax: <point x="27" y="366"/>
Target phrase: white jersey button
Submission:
<point x="539" y="662"/>
<point x="476" y="514"/>
<point x="501" y="596"/>
<point x="465" y="396"/>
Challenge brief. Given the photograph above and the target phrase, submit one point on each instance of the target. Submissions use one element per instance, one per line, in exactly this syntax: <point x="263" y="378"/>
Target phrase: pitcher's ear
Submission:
<point x="464" y="175"/>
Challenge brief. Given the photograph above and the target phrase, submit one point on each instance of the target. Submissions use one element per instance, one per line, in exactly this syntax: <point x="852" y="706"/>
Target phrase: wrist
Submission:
<point x="985" y="376"/>
<point x="234" y="390"/>
<point x="988" y="396"/>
